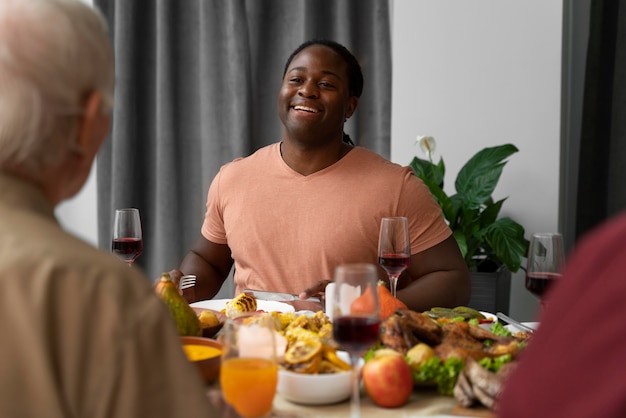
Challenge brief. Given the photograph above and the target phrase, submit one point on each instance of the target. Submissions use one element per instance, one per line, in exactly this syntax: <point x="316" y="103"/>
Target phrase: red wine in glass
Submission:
<point x="539" y="283"/>
<point x="355" y="325"/>
<point x="127" y="249"/>
<point x="394" y="264"/>
<point x="356" y="334"/>
<point x="394" y="248"/>
<point x="545" y="263"/>
<point x="127" y="242"/>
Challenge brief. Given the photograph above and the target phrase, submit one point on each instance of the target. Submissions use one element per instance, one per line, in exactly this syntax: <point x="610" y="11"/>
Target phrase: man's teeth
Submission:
<point x="306" y="109"/>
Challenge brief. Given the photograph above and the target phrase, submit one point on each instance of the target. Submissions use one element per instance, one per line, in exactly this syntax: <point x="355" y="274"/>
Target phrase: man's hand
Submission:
<point x="318" y="289"/>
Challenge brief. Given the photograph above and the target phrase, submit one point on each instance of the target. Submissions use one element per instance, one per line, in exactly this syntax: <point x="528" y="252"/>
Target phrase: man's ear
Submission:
<point x="352" y="104"/>
<point x="90" y="122"/>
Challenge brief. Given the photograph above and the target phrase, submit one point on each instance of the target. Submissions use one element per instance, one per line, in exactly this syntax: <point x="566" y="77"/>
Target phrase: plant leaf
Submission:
<point x="506" y="238"/>
<point x="490" y="213"/>
<point x="478" y="178"/>
<point x="472" y="214"/>
<point x="425" y="169"/>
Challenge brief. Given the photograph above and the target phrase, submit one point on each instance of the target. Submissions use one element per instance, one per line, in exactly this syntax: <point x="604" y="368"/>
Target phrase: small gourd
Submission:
<point x="386" y="302"/>
<point x="187" y="322"/>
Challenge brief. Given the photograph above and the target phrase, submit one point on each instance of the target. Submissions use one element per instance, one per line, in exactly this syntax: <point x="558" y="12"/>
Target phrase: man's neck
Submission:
<point x="306" y="160"/>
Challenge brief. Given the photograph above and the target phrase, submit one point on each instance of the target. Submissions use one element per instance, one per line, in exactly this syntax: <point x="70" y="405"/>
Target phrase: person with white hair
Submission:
<point x="81" y="334"/>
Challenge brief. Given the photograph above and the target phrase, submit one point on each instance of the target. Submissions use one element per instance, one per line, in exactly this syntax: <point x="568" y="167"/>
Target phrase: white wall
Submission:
<point x="79" y="215"/>
<point x="483" y="73"/>
<point x="471" y="74"/>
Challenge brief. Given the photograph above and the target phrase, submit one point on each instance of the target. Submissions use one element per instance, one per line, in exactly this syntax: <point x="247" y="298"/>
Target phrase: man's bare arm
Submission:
<point x="436" y="277"/>
<point x="210" y="262"/>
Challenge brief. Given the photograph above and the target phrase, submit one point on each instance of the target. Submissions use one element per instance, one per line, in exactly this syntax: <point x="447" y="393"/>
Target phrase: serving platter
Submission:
<point x="513" y="328"/>
<point x="262" y="305"/>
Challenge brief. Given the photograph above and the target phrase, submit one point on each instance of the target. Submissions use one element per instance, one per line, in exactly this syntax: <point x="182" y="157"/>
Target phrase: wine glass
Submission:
<point x="545" y="262"/>
<point x="249" y="370"/>
<point x="356" y="317"/>
<point x="127" y="238"/>
<point x="394" y="248"/>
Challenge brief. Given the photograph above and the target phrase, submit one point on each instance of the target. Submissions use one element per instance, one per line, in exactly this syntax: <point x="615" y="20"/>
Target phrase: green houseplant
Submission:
<point x="486" y="241"/>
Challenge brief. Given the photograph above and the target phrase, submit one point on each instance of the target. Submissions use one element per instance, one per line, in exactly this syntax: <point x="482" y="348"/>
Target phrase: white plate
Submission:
<point x="263" y="305"/>
<point x="487" y="325"/>
<point x="513" y="328"/>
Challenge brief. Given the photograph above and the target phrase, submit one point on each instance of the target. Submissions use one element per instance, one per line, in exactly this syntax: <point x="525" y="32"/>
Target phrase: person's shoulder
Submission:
<point x="75" y="256"/>
<point x="261" y="156"/>
<point x="103" y="266"/>
<point x="377" y="162"/>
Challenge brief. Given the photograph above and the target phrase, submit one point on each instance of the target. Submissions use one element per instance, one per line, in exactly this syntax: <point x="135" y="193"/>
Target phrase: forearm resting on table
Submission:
<point x="440" y="288"/>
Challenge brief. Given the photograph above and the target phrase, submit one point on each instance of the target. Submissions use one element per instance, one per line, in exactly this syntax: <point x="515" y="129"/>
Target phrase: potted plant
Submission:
<point x="488" y="243"/>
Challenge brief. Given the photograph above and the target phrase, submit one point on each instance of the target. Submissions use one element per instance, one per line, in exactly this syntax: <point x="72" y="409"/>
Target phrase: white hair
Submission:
<point x="53" y="54"/>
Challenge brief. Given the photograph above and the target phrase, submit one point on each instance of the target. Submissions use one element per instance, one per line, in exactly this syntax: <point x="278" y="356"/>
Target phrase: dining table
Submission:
<point x="423" y="402"/>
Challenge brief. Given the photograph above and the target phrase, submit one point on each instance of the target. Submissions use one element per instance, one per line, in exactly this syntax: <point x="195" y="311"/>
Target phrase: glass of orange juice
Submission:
<point x="249" y="371"/>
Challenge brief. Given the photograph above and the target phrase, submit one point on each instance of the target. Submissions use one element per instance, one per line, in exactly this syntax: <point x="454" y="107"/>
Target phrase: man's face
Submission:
<point x="314" y="99"/>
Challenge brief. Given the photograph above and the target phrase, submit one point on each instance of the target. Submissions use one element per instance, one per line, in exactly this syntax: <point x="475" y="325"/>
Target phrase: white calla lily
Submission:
<point x="427" y="144"/>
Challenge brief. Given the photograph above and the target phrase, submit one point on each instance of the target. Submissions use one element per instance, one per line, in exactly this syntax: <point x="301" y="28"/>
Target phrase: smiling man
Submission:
<point x="291" y="212"/>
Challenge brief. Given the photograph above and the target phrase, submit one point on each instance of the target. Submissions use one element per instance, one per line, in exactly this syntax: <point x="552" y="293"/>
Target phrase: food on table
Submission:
<point x="197" y="352"/>
<point x="387" y="303"/>
<point x="240" y="305"/>
<point x="387" y="379"/>
<point x="310" y="347"/>
<point x="522" y="335"/>
<point x="187" y="321"/>
<point x="462" y="340"/>
<point x="406" y="328"/>
<point x="364" y="303"/>
<point x="418" y="354"/>
<point x="208" y="319"/>
<point x="438" y="351"/>
<point x="460" y="313"/>
<point x="386" y="352"/>
<point x="479" y="385"/>
<point x="303" y="351"/>
<point x="331" y="363"/>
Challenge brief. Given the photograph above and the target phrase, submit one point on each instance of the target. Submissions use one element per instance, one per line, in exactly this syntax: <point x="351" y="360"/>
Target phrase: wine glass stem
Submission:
<point x="355" y="403"/>
<point x="393" y="282"/>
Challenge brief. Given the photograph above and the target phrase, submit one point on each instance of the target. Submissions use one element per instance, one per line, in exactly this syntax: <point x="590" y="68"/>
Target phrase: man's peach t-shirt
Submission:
<point x="286" y="231"/>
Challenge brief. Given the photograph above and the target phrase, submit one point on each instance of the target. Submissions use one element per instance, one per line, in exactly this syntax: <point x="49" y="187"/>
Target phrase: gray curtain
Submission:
<point x="196" y="86"/>
<point x="593" y="185"/>
<point x="602" y="182"/>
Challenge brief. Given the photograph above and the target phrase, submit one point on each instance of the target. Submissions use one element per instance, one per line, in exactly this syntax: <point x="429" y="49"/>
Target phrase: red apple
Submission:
<point x="388" y="380"/>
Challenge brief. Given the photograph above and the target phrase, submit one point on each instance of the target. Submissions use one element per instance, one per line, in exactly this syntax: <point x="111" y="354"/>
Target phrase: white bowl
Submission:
<point x="315" y="389"/>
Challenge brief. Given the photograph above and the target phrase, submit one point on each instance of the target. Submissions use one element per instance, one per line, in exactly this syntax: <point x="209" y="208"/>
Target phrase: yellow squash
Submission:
<point x="186" y="319"/>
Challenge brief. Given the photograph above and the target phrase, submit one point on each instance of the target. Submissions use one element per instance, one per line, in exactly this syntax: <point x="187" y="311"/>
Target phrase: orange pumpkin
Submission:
<point x="388" y="304"/>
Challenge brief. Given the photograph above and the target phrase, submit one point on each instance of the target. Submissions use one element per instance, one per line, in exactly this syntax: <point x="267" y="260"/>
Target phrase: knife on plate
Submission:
<point x="515" y="323"/>
<point x="277" y="296"/>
